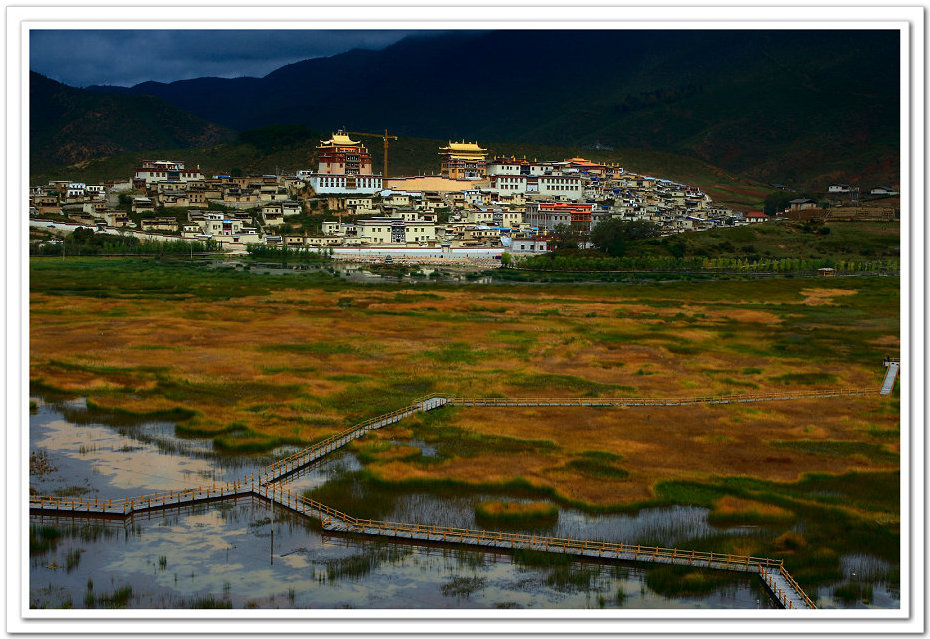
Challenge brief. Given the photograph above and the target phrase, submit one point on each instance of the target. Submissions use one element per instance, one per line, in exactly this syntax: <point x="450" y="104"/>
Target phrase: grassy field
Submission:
<point x="859" y="241"/>
<point x="253" y="361"/>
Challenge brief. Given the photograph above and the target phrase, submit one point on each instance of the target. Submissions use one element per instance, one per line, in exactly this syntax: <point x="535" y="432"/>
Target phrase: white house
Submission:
<point x="323" y="184"/>
<point x="395" y="231"/>
<point x="525" y="243"/>
<point x="568" y="187"/>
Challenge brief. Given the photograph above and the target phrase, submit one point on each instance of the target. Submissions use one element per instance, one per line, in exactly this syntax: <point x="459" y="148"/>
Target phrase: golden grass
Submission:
<point x="515" y="511"/>
<point x="224" y="359"/>
<point x="657" y="444"/>
<point x="823" y="296"/>
<point x="736" y="508"/>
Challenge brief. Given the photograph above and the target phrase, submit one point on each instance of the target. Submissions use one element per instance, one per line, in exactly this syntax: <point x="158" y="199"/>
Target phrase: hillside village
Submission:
<point x="504" y="203"/>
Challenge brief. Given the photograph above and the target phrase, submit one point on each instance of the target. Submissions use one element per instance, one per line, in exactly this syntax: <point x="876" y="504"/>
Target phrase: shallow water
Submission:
<point x="226" y="553"/>
<point x="97" y="460"/>
<point x="354" y="272"/>
<point x="222" y="552"/>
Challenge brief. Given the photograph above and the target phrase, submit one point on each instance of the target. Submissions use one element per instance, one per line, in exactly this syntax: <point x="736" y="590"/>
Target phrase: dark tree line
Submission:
<point x="84" y="241"/>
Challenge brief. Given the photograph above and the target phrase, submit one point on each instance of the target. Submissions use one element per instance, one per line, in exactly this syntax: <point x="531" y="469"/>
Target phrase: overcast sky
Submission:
<point x="81" y="58"/>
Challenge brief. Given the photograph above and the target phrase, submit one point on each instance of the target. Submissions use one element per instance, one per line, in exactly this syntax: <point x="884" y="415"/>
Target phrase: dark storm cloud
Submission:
<point x="119" y="57"/>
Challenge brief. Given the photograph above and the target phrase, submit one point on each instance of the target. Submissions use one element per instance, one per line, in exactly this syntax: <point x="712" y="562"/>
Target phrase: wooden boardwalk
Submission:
<point x="263" y="484"/>
<point x="772" y="571"/>
<point x="890" y="376"/>
<point x="595" y="402"/>
<point x="133" y="505"/>
<point x="284" y="467"/>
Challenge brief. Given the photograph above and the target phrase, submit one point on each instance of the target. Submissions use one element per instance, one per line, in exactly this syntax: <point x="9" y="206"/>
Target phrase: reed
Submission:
<point x="513" y="513"/>
<point x="461" y="586"/>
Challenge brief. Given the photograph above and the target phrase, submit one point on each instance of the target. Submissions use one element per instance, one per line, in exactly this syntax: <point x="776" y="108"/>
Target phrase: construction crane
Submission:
<point x="385" y="137"/>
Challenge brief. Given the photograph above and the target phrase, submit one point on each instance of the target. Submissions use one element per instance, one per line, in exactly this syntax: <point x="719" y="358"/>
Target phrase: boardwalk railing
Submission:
<point x="130" y="505"/>
<point x="796" y="587"/>
<point x="343" y="522"/>
<point x="785" y="588"/>
<point x="335" y="520"/>
<point x="654" y="401"/>
<point x="275" y="471"/>
<point x="772" y="571"/>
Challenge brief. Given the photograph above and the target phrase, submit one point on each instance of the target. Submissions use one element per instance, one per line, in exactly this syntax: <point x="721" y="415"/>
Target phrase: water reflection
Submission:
<point x="663" y="526"/>
<point x="127" y="460"/>
<point x="226" y="553"/>
<point x="359" y="272"/>
<point x="321" y="471"/>
<point x="223" y="555"/>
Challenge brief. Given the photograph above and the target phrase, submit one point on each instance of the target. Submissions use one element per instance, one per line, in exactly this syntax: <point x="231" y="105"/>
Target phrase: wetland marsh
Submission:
<point x="226" y="369"/>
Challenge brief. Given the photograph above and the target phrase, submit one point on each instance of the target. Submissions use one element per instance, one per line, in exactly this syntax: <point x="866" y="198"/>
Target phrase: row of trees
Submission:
<point x="300" y="253"/>
<point x="87" y="242"/>
<point x="610" y="236"/>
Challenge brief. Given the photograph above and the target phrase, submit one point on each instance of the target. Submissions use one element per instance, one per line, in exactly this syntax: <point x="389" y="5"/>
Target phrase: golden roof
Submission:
<point x="463" y="146"/>
<point x="339" y="139"/>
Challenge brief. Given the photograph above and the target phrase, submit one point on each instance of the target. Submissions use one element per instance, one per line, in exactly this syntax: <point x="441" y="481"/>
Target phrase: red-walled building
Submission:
<point x="548" y="215"/>
<point x="341" y="155"/>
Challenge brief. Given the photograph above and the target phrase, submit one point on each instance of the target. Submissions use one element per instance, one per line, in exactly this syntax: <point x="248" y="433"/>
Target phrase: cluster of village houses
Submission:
<point x="508" y="202"/>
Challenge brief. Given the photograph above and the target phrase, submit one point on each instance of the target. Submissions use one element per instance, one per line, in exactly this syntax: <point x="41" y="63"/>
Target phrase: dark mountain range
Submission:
<point x="69" y="125"/>
<point x="798" y="107"/>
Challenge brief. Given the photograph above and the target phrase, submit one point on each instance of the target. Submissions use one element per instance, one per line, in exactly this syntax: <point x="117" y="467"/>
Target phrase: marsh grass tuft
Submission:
<point x="804" y="379"/>
<point x="355" y="567"/>
<point x="512" y="512"/>
<point x="875" y="453"/>
<point x="310" y="348"/>
<point x="72" y="559"/>
<point x="854" y="591"/>
<point x="598" y="465"/>
<point x="456" y="353"/>
<point x="540" y="558"/>
<point x="460" y="586"/>
<point x="549" y="382"/>
<point x="732" y="511"/>
<point x="452" y="441"/>
<point x="684" y="581"/>
<point x="572" y="577"/>
<point x="209" y="602"/>
<point x="119" y="598"/>
<point x="43" y="539"/>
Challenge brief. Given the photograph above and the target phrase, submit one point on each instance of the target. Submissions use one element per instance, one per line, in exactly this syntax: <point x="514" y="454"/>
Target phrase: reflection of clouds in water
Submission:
<point x="142" y="469"/>
<point x="211" y="550"/>
<point x="295" y="561"/>
<point x="116" y="462"/>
